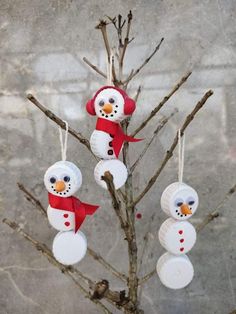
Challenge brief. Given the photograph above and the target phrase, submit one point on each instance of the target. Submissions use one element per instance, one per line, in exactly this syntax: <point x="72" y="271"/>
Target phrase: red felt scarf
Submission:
<point x="115" y="130"/>
<point x="72" y="204"/>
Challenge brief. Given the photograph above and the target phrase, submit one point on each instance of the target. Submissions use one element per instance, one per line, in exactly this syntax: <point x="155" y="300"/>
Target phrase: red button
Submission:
<point x="181" y="249"/>
<point x="67" y="223"/>
<point x="66" y="215"/>
<point x="181" y="240"/>
<point x="180" y="231"/>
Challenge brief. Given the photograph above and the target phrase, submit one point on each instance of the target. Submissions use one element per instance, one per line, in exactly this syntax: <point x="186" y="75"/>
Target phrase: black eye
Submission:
<point x="179" y="202"/>
<point x="66" y="178"/>
<point x="52" y="180"/>
<point x="111" y="100"/>
<point x="191" y="202"/>
<point x="101" y="103"/>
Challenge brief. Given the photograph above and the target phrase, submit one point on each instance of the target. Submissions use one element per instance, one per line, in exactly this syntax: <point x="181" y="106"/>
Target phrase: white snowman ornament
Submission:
<point x="111" y="105"/>
<point x="178" y="236"/>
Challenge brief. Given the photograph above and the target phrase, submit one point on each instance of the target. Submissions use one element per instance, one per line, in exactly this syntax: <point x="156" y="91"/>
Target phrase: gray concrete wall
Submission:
<point x="42" y="45"/>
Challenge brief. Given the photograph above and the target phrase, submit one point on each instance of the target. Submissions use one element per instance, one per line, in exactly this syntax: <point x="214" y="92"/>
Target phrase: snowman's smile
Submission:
<point x="108" y="113"/>
<point x="65" y="191"/>
<point x="181" y="214"/>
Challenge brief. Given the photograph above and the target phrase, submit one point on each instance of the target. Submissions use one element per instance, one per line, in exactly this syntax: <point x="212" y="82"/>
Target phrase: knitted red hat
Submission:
<point x="129" y="104"/>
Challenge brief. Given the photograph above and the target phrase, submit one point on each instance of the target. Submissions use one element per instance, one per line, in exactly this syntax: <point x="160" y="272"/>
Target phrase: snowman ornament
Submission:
<point x="65" y="212"/>
<point x="177" y="236"/>
<point x="111" y="105"/>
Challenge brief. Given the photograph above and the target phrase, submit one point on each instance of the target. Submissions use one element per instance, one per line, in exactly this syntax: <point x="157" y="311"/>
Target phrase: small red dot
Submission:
<point x="181" y="240"/>
<point x="67" y="223"/>
<point x="180" y="231"/>
<point x="181" y="249"/>
<point x="66" y="215"/>
<point x="138" y="216"/>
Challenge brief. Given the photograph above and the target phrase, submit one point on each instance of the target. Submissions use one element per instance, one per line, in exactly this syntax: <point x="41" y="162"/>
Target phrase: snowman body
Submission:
<point x="61" y="220"/>
<point x="179" y="201"/>
<point x="101" y="145"/>
<point x="62" y="180"/>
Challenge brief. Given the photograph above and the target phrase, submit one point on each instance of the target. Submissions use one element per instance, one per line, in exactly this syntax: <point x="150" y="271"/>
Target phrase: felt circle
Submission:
<point x="175" y="272"/>
<point x="69" y="247"/>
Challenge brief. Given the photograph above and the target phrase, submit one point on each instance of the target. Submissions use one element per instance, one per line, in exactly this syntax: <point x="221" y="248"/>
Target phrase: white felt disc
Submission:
<point x="101" y="145"/>
<point x="177" y="237"/>
<point x="178" y="197"/>
<point x="175" y="272"/>
<point x="69" y="248"/>
<point x="61" y="220"/>
<point x="116" y="168"/>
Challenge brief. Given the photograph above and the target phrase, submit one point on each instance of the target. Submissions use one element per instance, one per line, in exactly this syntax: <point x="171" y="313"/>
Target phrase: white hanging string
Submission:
<point x="63" y="145"/>
<point x="181" y="144"/>
<point x="110" y="61"/>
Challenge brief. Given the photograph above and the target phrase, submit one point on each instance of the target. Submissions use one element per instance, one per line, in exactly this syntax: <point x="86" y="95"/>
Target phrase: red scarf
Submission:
<point x="72" y="204"/>
<point x="115" y="130"/>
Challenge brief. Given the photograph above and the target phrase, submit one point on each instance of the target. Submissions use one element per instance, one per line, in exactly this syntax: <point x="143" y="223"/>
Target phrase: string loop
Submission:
<point x="110" y="61"/>
<point x="181" y="144"/>
<point x="63" y="145"/>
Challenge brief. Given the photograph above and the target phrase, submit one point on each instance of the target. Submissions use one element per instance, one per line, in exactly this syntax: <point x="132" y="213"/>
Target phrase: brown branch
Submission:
<point x="33" y="200"/>
<point x="126" y="40"/>
<point x="161" y="104"/>
<point x="96" y="69"/>
<point x="138" y="92"/>
<point x="66" y="270"/>
<point x="215" y="213"/>
<point x="169" y="153"/>
<point x="59" y="121"/>
<point x="210" y="217"/>
<point x="103" y="28"/>
<point x="145" y="62"/>
<point x="160" y="125"/>
<point x="108" y="178"/>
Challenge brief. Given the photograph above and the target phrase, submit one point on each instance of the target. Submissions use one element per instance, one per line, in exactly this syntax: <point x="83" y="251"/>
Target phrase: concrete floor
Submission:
<point x="42" y="46"/>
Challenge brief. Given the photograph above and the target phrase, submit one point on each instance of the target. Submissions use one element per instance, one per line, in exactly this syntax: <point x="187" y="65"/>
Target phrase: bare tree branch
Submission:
<point x="66" y="270"/>
<point x="96" y="69"/>
<point x="169" y="153"/>
<point x="144" y="63"/>
<point x="103" y="28"/>
<point x="126" y="40"/>
<point x="160" y="125"/>
<point x="83" y="140"/>
<point x="161" y="104"/>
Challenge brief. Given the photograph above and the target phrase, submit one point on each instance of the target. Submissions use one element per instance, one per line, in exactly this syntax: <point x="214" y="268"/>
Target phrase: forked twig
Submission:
<point x="94" y="67"/>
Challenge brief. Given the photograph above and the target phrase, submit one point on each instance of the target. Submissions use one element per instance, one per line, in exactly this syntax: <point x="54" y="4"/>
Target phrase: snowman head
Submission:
<point x="111" y="103"/>
<point x="179" y="201"/>
<point x="63" y="179"/>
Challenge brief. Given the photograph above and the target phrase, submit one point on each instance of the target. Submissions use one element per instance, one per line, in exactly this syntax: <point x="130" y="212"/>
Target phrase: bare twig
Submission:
<point x="32" y="199"/>
<point x="144" y="63"/>
<point x="96" y="69"/>
<point x="161" y="104"/>
<point x="126" y="40"/>
<point x="103" y="28"/>
<point x="138" y="92"/>
<point x="169" y="153"/>
<point x="215" y="213"/>
<point x="108" y="178"/>
<point x="59" y="121"/>
<point x="66" y="270"/>
<point x="160" y="125"/>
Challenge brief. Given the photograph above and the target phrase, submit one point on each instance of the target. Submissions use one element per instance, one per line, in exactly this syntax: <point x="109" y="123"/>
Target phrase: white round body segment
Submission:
<point x="61" y="220"/>
<point x="101" y="145"/>
<point x="116" y="168"/>
<point x="67" y="174"/>
<point x="177" y="237"/>
<point x="179" y="201"/>
<point x="69" y="248"/>
<point x="175" y="272"/>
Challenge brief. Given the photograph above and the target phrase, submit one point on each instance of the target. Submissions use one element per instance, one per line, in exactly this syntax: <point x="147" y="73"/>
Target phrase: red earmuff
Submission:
<point x="129" y="106"/>
<point x="90" y="107"/>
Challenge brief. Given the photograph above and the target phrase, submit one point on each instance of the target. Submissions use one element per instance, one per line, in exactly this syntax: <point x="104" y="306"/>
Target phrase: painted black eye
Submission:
<point x="111" y="100"/>
<point x="52" y="180"/>
<point x="191" y="202"/>
<point x="179" y="202"/>
<point x="66" y="179"/>
<point x="101" y="103"/>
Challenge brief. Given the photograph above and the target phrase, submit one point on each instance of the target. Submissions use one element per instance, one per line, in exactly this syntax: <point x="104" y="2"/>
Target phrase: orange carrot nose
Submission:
<point x="107" y="108"/>
<point x="60" y="186"/>
<point x="185" y="209"/>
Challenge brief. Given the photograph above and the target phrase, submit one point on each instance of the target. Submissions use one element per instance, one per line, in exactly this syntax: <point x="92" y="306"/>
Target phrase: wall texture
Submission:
<point x="42" y="45"/>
